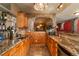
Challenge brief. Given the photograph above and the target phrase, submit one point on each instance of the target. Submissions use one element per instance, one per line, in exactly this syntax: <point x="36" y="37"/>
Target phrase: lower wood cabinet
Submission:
<point x="6" y="54"/>
<point x="52" y="46"/>
<point x="21" y="49"/>
<point x="38" y="37"/>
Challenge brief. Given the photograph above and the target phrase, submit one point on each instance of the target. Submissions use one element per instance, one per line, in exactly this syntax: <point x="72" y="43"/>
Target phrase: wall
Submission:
<point x="31" y="24"/>
<point x="14" y="9"/>
<point x="75" y="25"/>
<point x="60" y="26"/>
<point x="78" y="26"/>
<point x="68" y="26"/>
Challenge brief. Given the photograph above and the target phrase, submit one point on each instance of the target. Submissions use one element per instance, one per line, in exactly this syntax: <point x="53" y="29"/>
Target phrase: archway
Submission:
<point x="41" y="23"/>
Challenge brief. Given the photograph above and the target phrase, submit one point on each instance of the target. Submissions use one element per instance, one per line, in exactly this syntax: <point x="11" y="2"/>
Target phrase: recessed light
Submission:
<point x="77" y="13"/>
<point x="59" y="6"/>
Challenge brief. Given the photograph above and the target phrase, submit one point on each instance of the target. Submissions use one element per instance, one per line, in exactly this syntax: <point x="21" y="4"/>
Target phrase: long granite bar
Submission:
<point x="66" y="44"/>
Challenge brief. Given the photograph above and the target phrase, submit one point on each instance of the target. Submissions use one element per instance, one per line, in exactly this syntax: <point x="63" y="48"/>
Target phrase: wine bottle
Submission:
<point x="4" y="27"/>
<point x="0" y="15"/>
<point x="4" y="16"/>
<point x="0" y="27"/>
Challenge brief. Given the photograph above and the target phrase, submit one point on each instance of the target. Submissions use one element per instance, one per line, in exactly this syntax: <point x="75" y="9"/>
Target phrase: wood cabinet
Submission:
<point x="21" y="49"/>
<point x="52" y="46"/>
<point x="21" y="20"/>
<point x="12" y="51"/>
<point x="38" y="37"/>
<point x="6" y="54"/>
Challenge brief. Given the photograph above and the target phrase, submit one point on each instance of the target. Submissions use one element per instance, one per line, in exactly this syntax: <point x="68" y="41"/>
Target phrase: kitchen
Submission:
<point x="36" y="29"/>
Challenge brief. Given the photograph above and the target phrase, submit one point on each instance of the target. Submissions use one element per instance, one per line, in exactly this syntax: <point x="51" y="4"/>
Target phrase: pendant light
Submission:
<point x="40" y="6"/>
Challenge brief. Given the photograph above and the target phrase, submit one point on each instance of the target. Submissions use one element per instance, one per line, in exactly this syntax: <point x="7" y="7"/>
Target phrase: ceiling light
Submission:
<point x="38" y="27"/>
<point x="77" y="13"/>
<point x="59" y="6"/>
<point x="40" y="6"/>
<point x="58" y="9"/>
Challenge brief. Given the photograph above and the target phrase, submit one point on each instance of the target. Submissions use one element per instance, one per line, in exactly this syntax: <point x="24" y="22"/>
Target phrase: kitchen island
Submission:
<point x="67" y="43"/>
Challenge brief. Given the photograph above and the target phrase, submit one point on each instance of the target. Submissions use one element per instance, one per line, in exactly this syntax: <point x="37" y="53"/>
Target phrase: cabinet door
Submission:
<point x="27" y="46"/>
<point x="38" y="37"/>
<point x="54" y="48"/>
<point x="14" y="50"/>
<point x="52" y="45"/>
<point x="17" y="53"/>
<point x="6" y="54"/>
<point x="22" y="49"/>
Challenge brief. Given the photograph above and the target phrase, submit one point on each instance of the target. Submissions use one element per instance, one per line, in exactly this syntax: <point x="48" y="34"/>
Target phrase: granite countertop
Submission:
<point x="74" y="40"/>
<point x="10" y="45"/>
<point x="67" y="44"/>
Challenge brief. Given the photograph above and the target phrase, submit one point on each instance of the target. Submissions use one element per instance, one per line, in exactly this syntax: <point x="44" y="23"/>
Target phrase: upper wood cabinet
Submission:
<point x="21" y="20"/>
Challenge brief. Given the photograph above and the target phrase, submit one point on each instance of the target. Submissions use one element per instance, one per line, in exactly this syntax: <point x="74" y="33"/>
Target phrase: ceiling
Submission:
<point x="65" y="13"/>
<point x="29" y="8"/>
